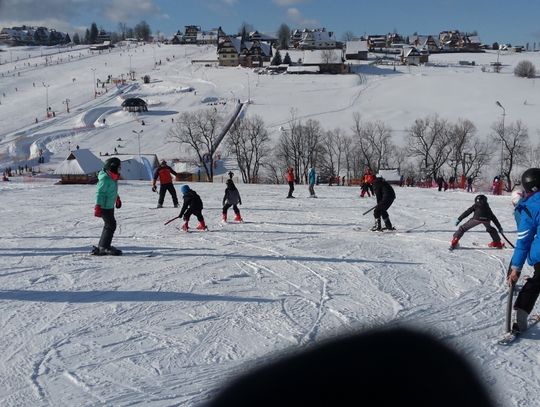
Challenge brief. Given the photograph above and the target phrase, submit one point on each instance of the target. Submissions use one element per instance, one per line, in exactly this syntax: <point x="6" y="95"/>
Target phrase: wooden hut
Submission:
<point x="80" y="167"/>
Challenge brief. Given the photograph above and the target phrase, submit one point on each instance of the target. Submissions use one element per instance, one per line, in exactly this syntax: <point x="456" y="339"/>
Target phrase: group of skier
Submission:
<point x="527" y="211"/>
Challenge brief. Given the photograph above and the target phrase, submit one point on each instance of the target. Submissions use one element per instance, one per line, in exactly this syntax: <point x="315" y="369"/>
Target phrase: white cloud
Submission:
<point x="296" y="17"/>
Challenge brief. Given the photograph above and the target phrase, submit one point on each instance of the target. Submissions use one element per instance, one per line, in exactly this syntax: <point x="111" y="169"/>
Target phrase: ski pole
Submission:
<point x="369" y="210"/>
<point x="509" y="301"/>
<point x="509" y="242"/>
<point x="170" y="220"/>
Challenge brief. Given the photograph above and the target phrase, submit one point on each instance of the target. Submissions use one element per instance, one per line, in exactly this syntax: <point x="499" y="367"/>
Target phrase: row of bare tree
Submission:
<point x="434" y="146"/>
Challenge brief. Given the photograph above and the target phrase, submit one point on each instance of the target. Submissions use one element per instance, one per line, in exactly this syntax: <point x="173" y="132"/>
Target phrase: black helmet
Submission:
<point x="480" y="199"/>
<point x="230" y="182"/>
<point x="530" y="180"/>
<point x="112" y="165"/>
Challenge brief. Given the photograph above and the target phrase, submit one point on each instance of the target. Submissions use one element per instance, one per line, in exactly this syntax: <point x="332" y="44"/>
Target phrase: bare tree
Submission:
<point x="514" y="141"/>
<point x="248" y="141"/>
<point x="374" y="142"/>
<point x="334" y="148"/>
<point x="461" y="136"/>
<point x="200" y="130"/>
<point x="328" y="56"/>
<point x="429" y="140"/>
<point x="347" y="36"/>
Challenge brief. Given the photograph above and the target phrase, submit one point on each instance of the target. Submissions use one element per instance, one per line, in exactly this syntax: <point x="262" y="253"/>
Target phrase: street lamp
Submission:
<point x="138" y="133"/>
<point x="94" y="72"/>
<point x="130" y="74"/>
<point x="502" y="135"/>
<point x="46" y="98"/>
<point x="249" y="89"/>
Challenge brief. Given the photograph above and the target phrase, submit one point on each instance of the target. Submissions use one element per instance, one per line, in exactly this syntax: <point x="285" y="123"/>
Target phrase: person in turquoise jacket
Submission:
<point x="312" y="178"/>
<point x="527" y="248"/>
<point x="107" y="199"/>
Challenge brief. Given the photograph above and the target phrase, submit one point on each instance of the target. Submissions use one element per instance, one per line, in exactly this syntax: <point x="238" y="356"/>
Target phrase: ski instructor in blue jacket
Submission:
<point x="527" y="248"/>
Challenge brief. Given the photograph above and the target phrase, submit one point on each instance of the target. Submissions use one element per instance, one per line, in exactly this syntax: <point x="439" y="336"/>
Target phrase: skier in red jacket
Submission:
<point x="164" y="173"/>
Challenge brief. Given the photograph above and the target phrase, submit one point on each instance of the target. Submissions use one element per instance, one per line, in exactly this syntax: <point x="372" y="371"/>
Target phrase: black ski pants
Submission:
<point x="291" y="188"/>
<point x="196" y="212"/>
<point x="381" y="210"/>
<point x="471" y="223"/>
<point x="311" y="189"/>
<point x="529" y="293"/>
<point x="163" y="188"/>
<point x="227" y="206"/>
<point x="108" y="228"/>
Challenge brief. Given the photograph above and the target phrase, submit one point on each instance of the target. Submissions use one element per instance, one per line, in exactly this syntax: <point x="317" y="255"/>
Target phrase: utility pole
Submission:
<point x="46" y="98"/>
<point x="94" y="82"/>
<point x="502" y="136"/>
<point x="138" y="133"/>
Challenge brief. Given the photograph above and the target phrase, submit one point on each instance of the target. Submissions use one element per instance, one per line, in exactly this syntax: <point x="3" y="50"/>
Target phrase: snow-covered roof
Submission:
<point x="319" y="56"/>
<point x="300" y="69"/>
<point x="79" y="162"/>
<point x="354" y="47"/>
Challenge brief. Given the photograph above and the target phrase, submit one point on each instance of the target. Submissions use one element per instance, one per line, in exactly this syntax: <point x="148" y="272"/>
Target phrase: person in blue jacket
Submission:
<point x="527" y="248"/>
<point x="312" y="178"/>
<point x="107" y="199"/>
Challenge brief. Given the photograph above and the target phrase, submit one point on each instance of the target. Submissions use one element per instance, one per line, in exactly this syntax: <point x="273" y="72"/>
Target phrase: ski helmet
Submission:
<point x="112" y="164"/>
<point x="184" y="189"/>
<point x="480" y="199"/>
<point x="230" y="182"/>
<point x="530" y="180"/>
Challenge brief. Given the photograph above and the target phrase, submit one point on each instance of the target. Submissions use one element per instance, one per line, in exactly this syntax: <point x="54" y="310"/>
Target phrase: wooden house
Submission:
<point x="80" y="167"/>
<point x="357" y="50"/>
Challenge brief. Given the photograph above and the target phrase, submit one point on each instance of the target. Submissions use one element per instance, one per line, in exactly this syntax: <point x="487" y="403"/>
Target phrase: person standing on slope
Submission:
<point x="312" y="178"/>
<point x="164" y="173"/>
<point x="231" y="198"/>
<point x="385" y="197"/>
<point x="107" y="199"/>
<point x="527" y="247"/>
<point x="482" y="215"/>
<point x="193" y="205"/>
<point x="290" y="181"/>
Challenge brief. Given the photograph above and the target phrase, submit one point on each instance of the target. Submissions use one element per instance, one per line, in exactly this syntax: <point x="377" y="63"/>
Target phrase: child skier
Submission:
<point x="482" y="215"/>
<point x="527" y="248"/>
<point x="192" y="206"/>
<point x="232" y="198"/>
<point x="385" y="195"/>
<point x="107" y="199"/>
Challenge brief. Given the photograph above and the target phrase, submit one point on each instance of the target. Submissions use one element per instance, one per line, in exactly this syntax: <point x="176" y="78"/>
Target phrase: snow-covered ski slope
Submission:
<point x="168" y="322"/>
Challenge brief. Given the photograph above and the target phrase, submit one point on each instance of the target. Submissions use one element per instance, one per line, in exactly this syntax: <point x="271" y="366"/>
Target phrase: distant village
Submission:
<point x="303" y="51"/>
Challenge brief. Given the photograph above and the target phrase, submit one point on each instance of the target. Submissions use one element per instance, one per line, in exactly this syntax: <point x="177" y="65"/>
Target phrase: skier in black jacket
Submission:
<point x="385" y="197"/>
<point x="482" y="216"/>
<point x="192" y="206"/>
<point x="231" y="198"/>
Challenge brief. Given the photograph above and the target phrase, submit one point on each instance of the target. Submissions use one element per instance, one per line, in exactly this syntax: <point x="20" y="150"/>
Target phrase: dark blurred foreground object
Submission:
<point x="387" y="367"/>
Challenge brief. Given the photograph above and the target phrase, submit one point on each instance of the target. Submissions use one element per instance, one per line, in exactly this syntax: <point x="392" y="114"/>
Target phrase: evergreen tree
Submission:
<point x="93" y="33"/>
<point x="284" y="35"/>
<point x="287" y="59"/>
<point x="87" y="36"/>
<point x="76" y="39"/>
<point x="277" y="59"/>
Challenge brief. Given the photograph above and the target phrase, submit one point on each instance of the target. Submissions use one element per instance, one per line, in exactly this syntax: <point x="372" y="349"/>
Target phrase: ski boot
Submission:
<point x="185" y="226"/>
<point x="106" y="251"/>
<point x="522" y="322"/>
<point x="224" y="218"/>
<point x="159" y="206"/>
<point x="498" y="245"/>
<point x="176" y="205"/>
<point x="388" y="224"/>
<point x="377" y="226"/>
<point x="238" y="218"/>
<point x="454" y="243"/>
<point x="202" y="226"/>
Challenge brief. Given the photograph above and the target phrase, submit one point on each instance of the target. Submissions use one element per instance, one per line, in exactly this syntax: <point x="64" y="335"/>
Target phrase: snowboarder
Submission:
<point x="482" y="215"/>
<point x="231" y="198"/>
<point x="107" y="199"/>
<point x="163" y="172"/>
<point x="312" y="177"/>
<point x="385" y="197"/>
<point x="290" y="180"/>
<point x="527" y="247"/>
<point x="193" y="205"/>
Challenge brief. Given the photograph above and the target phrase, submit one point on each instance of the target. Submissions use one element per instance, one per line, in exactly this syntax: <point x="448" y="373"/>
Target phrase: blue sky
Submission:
<point x="516" y="22"/>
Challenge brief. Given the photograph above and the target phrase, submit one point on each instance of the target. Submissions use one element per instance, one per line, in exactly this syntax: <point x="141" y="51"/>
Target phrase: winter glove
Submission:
<point x="240" y="203"/>
<point x="457" y="222"/>
<point x="97" y="211"/>
<point x="514" y="275"/>
<point x="501" y="230"/>
<point x="118" y="203"/>
<point x="154" y="188"/>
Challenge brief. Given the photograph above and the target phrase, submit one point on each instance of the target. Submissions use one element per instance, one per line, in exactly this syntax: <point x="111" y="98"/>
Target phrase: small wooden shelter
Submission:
<point x="134" y="105"/>
<point x="80" y="167"/>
